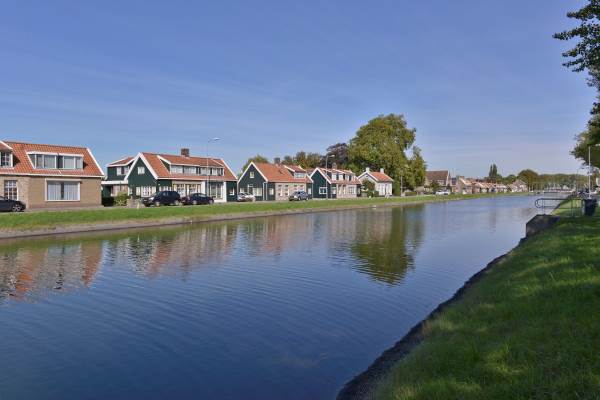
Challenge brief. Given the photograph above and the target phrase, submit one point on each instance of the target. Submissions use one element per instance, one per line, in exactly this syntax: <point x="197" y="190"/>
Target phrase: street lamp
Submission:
<point x="215" y="139"/>
<point x="327" y="189"/>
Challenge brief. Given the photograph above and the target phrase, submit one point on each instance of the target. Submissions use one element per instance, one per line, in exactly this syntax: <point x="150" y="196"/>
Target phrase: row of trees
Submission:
<point x="385" y="142"/>
<point x="534" y="180"/>
<point x="585" y="57"/>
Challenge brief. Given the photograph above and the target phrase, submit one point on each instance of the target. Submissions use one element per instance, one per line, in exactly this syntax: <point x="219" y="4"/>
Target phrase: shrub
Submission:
<point x="121" y="199"/>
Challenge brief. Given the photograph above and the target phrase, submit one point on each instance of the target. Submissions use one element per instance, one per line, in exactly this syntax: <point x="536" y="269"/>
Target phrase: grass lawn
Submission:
<point x="529" y="329"/>
<point x="35" y="220"/>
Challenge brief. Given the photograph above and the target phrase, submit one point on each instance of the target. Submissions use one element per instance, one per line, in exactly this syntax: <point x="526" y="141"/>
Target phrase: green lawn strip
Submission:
<point x="529" y="329"/>
<point x="51" y="219"/>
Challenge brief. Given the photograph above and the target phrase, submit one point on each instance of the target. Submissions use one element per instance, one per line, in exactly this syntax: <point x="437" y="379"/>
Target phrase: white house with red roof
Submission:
<point x="49" y="176"/>
<point x="148" y="173"/>
<point x="383" y="182"/>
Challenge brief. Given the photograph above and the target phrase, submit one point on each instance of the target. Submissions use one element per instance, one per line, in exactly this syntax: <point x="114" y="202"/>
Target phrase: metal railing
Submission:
<point x="565" y="206"/>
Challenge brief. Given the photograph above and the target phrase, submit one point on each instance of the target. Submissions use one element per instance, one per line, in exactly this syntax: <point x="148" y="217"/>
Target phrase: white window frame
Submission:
<point x="271" y="191"/>
<point x="251" y="175"/>
<point x="141" y="170"/>
<point x="323" y="190"/>
<point x="16" y="187"/>
<point x="10" y="159"/>
<point x="62" y="181"/>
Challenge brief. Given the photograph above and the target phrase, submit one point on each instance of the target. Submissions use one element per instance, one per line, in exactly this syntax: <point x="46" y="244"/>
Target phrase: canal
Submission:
<point x="280" y="307"/>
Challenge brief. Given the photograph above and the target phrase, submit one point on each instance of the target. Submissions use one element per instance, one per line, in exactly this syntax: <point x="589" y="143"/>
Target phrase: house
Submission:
<point x="442" y="178"/>
<point x="462" y="185"/>
<point x="276" y="181"/>
<point x="520" y="185"/>
<point x="49" y="176"/>
<point x="334" y="183"/>
<point x="383" y="182"/>
<point x="148" y="173"/>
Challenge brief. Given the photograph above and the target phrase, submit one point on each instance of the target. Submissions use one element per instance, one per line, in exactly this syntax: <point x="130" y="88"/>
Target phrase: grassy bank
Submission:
<point x="51" y="219"/>
<point x="529" y="329"/>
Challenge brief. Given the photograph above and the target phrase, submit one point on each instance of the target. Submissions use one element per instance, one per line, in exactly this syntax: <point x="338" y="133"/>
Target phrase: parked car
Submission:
<point x="299" y="196"/>
<point x="242" y="197"/>
<point x="163" y="198"/>
<point x="197" y="198"/>
<point x="11" y="205"/>
<point x="442" y="192"/>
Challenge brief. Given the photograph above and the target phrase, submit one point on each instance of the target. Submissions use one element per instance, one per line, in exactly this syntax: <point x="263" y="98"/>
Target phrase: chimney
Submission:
<point x="381" y="170"/>
<point x="367" y="169"/>
<point x="277" y="160"/>
<point x="185" y="152"/>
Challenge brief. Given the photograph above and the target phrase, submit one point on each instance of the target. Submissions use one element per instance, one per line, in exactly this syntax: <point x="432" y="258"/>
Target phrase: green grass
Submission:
<point x="51" y="219"/>
<point x="529" y="329"/>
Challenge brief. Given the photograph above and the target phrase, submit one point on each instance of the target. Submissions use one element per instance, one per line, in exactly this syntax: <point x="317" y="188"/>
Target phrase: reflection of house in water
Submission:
<point x="273" y="235"/>
<point x="27" y="272"/>
<point x="176" y="250"/>
<point x="388" y="245"/>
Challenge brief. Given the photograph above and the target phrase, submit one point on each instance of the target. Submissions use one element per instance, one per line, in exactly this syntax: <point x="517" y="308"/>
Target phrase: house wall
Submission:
<point x="32" y="191"/>
<point x="231" y="188"/>
<point x="257" y="182"/>
<point x="111" y="174"/>
<point x="135" y="180"/>
<point x="283" y="190"/>
<point x="318" y="182"/>
<point x="343" y="191"/>
<point x="384" y="189"/>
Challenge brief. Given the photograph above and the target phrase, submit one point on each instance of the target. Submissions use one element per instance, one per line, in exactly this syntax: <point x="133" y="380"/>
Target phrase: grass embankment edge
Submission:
<point x="526" y="326"/>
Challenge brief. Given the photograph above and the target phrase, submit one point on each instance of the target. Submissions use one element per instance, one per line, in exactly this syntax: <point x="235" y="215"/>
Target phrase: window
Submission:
<point x="249" y="189"/>
<point x="141" y="170"/>
<point x="309" y="190"/>
<point x="333" y="189"/>
<point x="10" y="190"/>
<point x="351" y="189"/>
<point x="5" y="159"/>
<point x="287" y="190"/>
<point x="251" y="175"/>
<point x="176" y="169"/>
<point x="146" y="191"/>
<point x="164" y="188"/>
<point x="258" y="192"/>
<point x="271" y="191"/>
<point x="299" y="174"/>
<point x="179" y="189"/>
<point x="232" y="192"/>
<point x="215" y="190"/>
<point x="190" y="170"/>
<point x="322" y="190"/>
<point x="203" y="171"/>
<point x="280" y="190"/>
<point x="70" y="162"/>
<point x="62" y="191"/>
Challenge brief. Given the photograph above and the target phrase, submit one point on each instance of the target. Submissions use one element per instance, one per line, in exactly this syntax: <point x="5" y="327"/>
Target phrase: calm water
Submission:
<point x="283" y="307"/>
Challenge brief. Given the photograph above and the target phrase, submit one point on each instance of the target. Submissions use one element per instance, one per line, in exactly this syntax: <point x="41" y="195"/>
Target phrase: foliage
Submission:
<point x="493" y="175"/>
<point x="382" y="143"/>
<point x="121" y="199"/>
<point x="257" y="159"/>
<point x="527" y="329"/>
<point x="435" y="186"/>
<point x="288" y="160"/>
<point x="588" y="140"/>
<point x="338" y="154"/>
<point x="529" y="176"/>
<point x="304" y="159"/>
<point x="368" y="188"/>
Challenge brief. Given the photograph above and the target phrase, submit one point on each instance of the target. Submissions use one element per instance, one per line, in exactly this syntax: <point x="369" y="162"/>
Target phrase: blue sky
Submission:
<point x="481" y="80"/>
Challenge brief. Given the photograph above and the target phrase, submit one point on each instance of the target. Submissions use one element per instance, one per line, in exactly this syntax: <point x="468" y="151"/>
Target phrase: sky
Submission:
<point x="481" y="80"/>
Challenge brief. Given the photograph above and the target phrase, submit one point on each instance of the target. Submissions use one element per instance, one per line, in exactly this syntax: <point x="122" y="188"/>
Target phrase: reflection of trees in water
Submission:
<point x="30" y="270"/>
<point x="387" y="241"/>
<point x="36" y="268"/>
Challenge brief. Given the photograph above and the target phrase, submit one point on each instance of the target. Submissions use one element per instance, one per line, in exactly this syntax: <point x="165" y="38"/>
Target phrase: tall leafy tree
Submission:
<point x="493" y="175"/>
<point x="257" y="159"/>
<point x="339" y="154"/>
<point x="529" y="176"/>
<point x="383" y="143"/>
<point x="288" y="160"/>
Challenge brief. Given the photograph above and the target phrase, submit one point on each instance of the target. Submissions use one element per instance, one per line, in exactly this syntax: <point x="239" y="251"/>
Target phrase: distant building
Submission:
<point x="442" y="178"/>
<point x="269" y="182"/>
<point x="382" y="181"/>
<point x="334" y="183"/>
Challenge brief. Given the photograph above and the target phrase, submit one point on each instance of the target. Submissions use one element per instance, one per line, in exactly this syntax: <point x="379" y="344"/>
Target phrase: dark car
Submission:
<point x="11" y="205"/>
<point x="299" y="196"/>
<point x="197" y="198"/>
<point x="163" y="198"/>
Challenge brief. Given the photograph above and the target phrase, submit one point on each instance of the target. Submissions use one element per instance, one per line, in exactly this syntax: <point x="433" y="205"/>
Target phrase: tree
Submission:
<point x="382" y="143"/>
<point x="493" y="175"/>
<point x="587" y="141"/>
<point x="257" y="159"/>
<point x="530" y="177"/>
<point x="288" y="160"/>
<point x="313" y="160"/>
<point x="339" y="154"/>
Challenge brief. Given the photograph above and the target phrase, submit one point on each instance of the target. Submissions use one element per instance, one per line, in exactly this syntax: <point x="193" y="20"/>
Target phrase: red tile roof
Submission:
<point x="437" y="175"/>
<point x="379" y="176"/>
<point x="279" y="173"/>
<point x="155" y="162"/>
<point x="4" y="146"/>
<point x="123" y="161"/>
<point x="295" y="168"/>
<point x="22" y="165"/>
<point x="354" y="181"/>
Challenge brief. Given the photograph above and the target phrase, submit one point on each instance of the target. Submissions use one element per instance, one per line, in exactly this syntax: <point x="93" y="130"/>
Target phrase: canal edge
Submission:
<point x="364" y="385"/>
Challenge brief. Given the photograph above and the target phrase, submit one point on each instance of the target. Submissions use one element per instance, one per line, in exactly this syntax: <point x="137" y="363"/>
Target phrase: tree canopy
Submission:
<point x="530" y="177"/>
<point x="257" y="158"/>
<point x="383" y="143"/>
<point x="338" y="154"/>
<point x="493" y="175"/>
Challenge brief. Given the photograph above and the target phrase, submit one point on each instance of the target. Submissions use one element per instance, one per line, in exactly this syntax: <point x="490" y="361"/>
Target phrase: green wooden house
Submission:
<point x="148" y="173"/>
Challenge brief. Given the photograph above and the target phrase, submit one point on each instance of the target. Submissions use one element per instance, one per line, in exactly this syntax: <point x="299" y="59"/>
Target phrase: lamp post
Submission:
<point x="326" y="188"/>
<point x="215" y="139"/>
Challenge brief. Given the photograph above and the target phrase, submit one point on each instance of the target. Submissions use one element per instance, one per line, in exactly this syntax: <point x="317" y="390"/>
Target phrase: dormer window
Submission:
<point x="122" y="171"/>
<point x="56" y="161"/>
<point x="299" y="175"/>
<point x="6" y="159"/>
